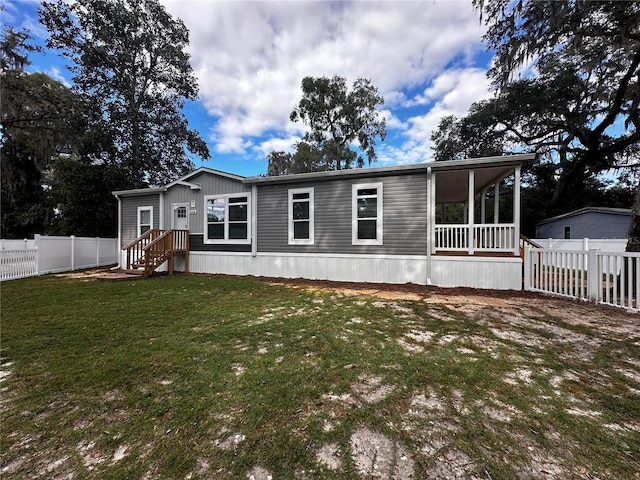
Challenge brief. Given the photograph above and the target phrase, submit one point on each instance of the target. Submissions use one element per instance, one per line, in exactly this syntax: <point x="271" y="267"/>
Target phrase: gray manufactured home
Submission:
<point x="367" y="225"/>
<point x="588" y="222"/>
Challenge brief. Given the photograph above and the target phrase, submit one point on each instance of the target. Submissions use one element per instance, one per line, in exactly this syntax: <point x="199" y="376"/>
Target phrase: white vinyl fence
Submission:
<point x="50" y="254"/>
<point x="609" y="278"/>
<point x="584" y="244"/>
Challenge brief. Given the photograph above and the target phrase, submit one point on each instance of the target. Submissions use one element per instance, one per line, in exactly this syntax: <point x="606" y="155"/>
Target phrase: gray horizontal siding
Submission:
<point x="587" y="225"/>
<point x="404" y="217"/>
<point x="130" y="215"/>
<point x="210" y="185"/>
<point x="196" y="244"/>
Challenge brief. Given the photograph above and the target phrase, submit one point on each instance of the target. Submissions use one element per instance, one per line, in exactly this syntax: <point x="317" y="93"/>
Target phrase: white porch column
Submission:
<point x="471" y="206"/>
<point x="516" y="210"/>
<point x="161" y="225"/>
<point x="432" y="239"/>
<point x="483" y="206"/>
<point x="431" y="222"/>
<point x="254" y="220"/>
<point x="496" y="203"/>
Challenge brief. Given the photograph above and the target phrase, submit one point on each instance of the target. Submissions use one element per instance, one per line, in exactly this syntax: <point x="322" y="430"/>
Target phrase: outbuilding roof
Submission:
<point x="581" y="211"/>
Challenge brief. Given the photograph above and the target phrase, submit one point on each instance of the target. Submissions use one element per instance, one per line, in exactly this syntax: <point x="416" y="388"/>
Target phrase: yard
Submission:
<point x="194" y="377"/>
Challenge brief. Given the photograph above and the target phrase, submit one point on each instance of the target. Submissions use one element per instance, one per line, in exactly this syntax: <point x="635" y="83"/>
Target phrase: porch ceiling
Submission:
<point x="453" y="186"/>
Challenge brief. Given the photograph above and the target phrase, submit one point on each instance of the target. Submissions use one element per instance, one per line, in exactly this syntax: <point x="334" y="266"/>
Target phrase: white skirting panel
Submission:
<point x="499" y="273"/>
<point x="342" y="268"/>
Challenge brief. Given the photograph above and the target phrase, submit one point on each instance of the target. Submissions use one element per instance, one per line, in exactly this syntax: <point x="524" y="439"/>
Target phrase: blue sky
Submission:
<point x="426" y="58"/>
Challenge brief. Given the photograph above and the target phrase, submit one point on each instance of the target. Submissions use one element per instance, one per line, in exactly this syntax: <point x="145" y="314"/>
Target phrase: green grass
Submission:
<point x="213" y="377"/>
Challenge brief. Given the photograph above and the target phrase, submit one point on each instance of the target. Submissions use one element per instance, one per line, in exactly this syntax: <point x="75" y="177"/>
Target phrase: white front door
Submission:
<point x="180" y="218"/>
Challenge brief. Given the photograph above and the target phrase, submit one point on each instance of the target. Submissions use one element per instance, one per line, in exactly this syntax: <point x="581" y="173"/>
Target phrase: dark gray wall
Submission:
<point x="130" y="215"/>
<point x="587" y="225"/>
<point x="404" y="216"/>
<point x="196" y="244"/>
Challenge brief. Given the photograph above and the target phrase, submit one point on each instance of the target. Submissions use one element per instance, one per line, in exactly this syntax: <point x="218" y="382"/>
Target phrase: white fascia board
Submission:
<point x="185" y="179"/>
<point x="139" y="191"/>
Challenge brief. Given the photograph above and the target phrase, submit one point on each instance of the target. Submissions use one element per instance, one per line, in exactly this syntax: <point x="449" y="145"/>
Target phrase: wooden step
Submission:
<point x="133" y="272"/>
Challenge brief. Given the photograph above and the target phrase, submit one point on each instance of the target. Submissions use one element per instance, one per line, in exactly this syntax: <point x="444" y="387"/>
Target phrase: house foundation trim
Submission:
<point x="447" y="271"/>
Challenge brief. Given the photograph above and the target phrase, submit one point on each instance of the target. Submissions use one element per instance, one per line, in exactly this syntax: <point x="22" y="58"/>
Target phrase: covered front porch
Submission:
<point x="474" y="210"/>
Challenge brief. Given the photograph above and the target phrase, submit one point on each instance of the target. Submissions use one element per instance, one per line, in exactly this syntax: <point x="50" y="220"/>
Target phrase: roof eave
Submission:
<point x="449" y="165"/>
<point x="139" y="191"/>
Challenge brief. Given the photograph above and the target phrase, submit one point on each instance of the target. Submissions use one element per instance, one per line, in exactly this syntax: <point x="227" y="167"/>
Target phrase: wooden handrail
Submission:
<point x="159" y="251"/>
<point x="154" y="247"/>
<point x="141" y="238"/>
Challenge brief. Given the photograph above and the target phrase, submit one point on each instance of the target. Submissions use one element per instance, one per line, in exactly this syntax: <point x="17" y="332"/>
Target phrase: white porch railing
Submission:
<point x="488" y="237"/>
<point x="609" y="278"/>
<point x="57" y="254"/>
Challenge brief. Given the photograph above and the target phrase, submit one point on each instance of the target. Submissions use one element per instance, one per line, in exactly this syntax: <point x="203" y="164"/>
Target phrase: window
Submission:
<point x="301" y="216"/>
<point x="367" y="214"/>
<point x="145" y="219"/>
<point x="567" y="233"/>
<point x="227" y="219"/>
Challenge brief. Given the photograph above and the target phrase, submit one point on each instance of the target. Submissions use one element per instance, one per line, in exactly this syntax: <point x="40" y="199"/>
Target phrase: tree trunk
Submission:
<point x="633" y="236"/>
<point x="633" y="245"/>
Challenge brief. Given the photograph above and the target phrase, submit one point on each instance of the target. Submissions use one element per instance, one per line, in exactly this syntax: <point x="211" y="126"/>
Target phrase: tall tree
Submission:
<point x="15" y="48"/>
<point x="81" y="193"/>
<point x="338" y="118"/>
<point x="129" y="58"/>
<point x="467" y="137"/>
<point x="308" y="157"/>
<point x="581" y="109"/>
<point x="37" y="122"/>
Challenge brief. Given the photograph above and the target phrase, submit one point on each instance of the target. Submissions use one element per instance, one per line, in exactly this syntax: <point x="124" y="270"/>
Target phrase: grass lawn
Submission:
<point x="193" y="377"/>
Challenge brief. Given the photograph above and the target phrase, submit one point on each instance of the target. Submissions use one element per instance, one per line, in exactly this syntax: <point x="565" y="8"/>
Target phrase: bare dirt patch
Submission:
<point x="329" y="456"/>
<point x="377" y="456"/>
<point x="371" y="389"/>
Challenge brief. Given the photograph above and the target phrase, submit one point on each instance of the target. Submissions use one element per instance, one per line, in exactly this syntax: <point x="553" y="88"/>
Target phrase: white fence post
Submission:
<point x="97" y="251"/>
<point x="527" y="267"/>
<point x="73" y="252"/>
<point x="36" y="242"/>
<point x="593" y="276"/>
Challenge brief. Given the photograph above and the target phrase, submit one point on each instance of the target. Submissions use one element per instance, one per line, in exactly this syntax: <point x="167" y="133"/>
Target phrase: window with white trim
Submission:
<point x="227" y="218"/>
<point x="145" y="219"/>
<point x="367" y="214"/>
<point x="301" y="216"/>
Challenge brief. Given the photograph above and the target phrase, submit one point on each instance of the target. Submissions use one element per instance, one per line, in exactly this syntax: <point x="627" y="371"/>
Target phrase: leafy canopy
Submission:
<point x="567" y="82"/>
<point x="129" y="59"/>
<point x="582" y="107"/>
<point x="337" y="118"/>
<point x="36" y="123"/>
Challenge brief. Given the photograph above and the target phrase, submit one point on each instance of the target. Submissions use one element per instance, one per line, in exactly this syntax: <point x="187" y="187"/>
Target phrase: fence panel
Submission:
<point x="54" y="254"/>
<point x="583" y="244"/>
<point x="107" y="252"/>
<point x="16" y="244"/>
<point x="609" y="278"/>
<point x="16" y="264"/>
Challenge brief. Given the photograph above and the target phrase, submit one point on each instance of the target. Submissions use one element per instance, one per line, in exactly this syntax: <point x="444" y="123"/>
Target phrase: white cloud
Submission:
<point x="250" y="56"/>
<point x="452" y="93"/>
<point x="57" y="74"/>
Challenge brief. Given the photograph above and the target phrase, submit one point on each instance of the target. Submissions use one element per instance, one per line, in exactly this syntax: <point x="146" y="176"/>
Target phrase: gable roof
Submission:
<point x="198" y="171"/>
<point x="582" y="211"/>
<point x="184" y="180"/>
